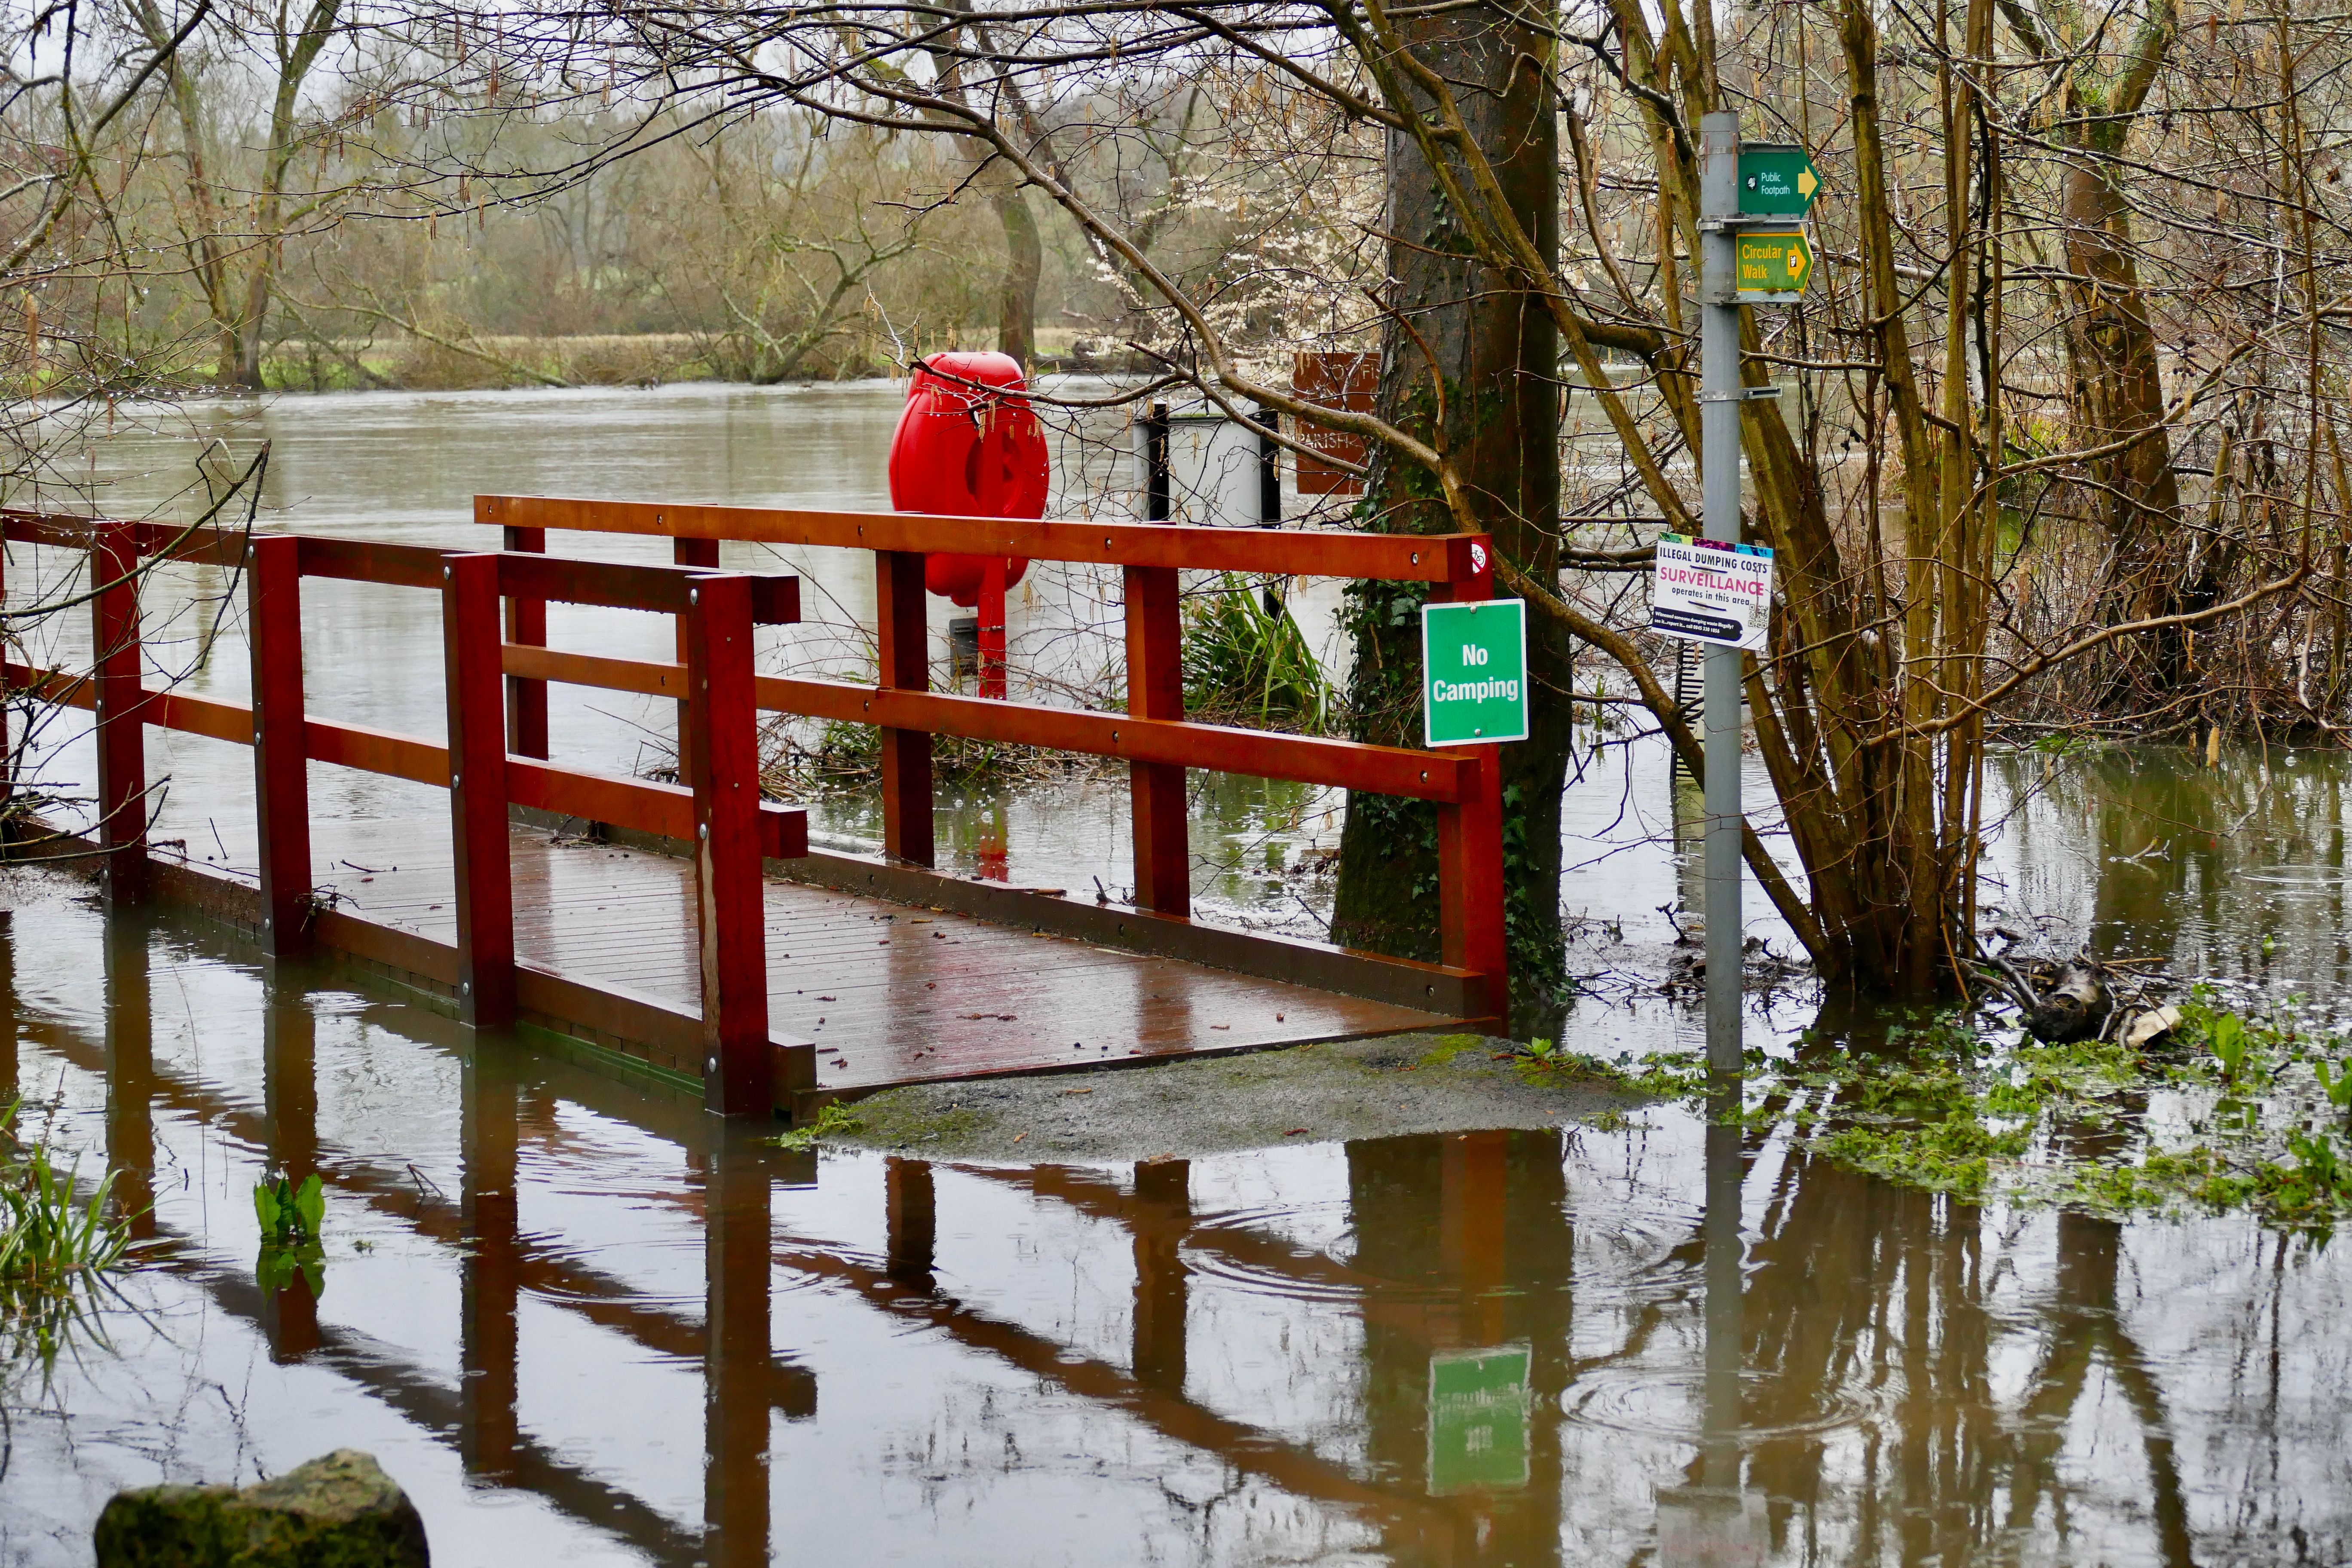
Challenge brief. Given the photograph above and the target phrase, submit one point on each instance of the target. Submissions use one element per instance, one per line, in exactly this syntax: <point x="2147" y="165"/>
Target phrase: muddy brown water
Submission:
<point x="581" y="1323"/>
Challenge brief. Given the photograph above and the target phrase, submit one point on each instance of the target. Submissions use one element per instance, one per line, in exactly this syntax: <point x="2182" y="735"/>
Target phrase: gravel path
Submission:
<point x="1205" y="1105"/>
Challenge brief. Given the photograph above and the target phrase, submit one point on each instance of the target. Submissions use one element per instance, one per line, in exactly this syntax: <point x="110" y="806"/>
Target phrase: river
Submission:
<point x="580" y="1323"/>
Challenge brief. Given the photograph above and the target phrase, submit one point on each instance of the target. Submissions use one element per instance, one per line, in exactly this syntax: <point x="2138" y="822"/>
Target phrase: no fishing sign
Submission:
<point x="1703" y="590"/>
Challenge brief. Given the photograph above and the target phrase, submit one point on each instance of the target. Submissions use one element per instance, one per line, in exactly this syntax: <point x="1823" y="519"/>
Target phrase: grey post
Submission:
<point x="1719" y="391"/>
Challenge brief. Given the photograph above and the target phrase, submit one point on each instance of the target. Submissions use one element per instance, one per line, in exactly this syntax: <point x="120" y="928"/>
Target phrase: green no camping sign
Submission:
<point x="1473" y="662"/>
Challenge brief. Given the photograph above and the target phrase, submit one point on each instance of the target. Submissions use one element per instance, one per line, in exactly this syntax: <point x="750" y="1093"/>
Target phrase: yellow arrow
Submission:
<point x="1806" y="184"/>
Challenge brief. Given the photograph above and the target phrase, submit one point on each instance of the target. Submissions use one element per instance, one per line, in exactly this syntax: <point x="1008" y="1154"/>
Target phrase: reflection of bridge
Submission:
<point x="1467" y="1240"/>
<point x="755" y="971"/>
<point x="747" y="1382"/>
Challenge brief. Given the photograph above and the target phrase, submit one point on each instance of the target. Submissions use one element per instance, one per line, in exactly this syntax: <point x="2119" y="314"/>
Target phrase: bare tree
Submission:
<point x="238" y="205"/>
<point x="1981" y="445"/>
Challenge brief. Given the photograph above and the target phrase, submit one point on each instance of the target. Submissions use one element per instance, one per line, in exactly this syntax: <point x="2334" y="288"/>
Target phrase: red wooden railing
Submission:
<point x="1154" y="736"/>
<point x="718" y="808"/>
<point x="496" y="756"/>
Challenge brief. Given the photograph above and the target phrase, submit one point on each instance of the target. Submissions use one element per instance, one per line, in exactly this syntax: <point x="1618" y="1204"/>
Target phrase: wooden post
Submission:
<point x="127" y="989"/>
<point x="1163" y="1203"/>
<point x="122" y="711"/>
<point x="478" y="790"/>
<point x="1155" y="689"/>
<point x="910" y="1221"/>
<point x="739" y="1368"/>
<point x="1471" y="890"/>
<point x="527" y="625"/>
<point x="289" y="1078"/>
<point x="904" y="641"/>
<point x="992" y="628"/>
<point x="1473" y="1188"/>
<point x="8" y="752"/>
<point x="281" y="782"/>
<point x="723" y="767"/>
<point x="489" y="1113"/>
<point x="702" y="553"/>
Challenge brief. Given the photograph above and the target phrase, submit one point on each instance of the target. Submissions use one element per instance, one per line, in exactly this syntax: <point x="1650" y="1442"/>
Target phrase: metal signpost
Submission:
<point x="1752" y="251"/>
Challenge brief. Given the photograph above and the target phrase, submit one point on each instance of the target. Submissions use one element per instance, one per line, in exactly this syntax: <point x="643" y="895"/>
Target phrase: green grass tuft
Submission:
<point x="54" y="1253"/>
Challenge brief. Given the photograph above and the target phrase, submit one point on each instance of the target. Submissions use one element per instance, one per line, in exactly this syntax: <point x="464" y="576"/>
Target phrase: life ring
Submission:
<point x="963" y="451"/>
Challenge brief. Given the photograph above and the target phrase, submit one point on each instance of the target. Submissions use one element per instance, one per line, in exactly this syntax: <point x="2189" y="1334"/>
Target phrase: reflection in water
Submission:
<point x="579" y="1319"/>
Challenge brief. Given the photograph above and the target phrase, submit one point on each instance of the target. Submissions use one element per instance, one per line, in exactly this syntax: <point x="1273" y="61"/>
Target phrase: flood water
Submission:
<point x="405" y="467"/>
<point x="582" y="1322"/>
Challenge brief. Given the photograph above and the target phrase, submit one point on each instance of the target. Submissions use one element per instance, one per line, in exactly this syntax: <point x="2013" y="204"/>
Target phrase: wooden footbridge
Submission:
<point x="692" y="931"/>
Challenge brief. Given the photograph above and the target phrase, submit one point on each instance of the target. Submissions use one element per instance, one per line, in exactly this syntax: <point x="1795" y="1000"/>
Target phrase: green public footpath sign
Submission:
<point x="1777" y="179"/>
<point x="1773" y="264"/>
<point x="1478" y="1410"/>
<point x="1474" y="660"/>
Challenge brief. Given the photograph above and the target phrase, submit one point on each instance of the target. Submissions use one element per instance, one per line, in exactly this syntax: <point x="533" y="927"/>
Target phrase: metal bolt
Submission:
<point x="710" y="1066"/>
<point x="456" y="779"/>
<point x="693" y="595"/>
<point x="448" y="571"/>
<point x="465" y="985"/>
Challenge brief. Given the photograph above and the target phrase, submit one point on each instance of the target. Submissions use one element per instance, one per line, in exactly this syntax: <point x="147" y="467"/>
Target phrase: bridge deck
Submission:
<point x="890" y="994"/>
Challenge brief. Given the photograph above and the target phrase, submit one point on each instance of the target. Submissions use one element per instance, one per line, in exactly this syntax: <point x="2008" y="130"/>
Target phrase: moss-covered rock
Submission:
<point x="340" y="1511"/>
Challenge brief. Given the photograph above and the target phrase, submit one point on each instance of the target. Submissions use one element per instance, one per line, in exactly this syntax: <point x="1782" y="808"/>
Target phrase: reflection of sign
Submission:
<point x="1776" y="180"/>
<point x="1773" y="265"/>
<point x="1473" y="661"/>
<point x="1479" y="1420"/>
<point x="1335" y="381"/>
<point x="1702" y="591"/>
<point x="1699" y="1527"/>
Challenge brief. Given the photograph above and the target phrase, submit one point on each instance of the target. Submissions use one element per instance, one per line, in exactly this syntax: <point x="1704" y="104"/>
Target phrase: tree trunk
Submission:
<point x="2120" y="394"/>
<point x="1025" y="263"/>
<point x="1469" y="361"/>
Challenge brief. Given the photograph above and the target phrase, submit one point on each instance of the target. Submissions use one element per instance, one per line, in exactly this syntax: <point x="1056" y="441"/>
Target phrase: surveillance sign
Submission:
<point x="1703" y="590"/>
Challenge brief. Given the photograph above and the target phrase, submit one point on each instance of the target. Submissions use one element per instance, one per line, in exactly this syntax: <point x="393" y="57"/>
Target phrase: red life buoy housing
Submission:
<point x="965" y="449"/>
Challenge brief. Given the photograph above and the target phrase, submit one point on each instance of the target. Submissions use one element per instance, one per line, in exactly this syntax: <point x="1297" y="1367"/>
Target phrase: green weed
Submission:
<point x="290" y="1218"/>
<point x="290" y="1215"/>
<point x="832" y="1119"/>
<point x="1449" y="1047"/>
<point x="2336" y="1085"/>
<point x="1244" y="658"/>
<point x="54" y="1253"/>
<point x="1952" y="1155"/>
<point x="2225" y="1036"/>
